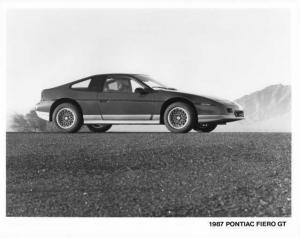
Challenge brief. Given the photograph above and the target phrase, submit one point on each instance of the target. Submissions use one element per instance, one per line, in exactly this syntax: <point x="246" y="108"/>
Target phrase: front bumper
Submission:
<point x="231" y="112"/>
<point x="219" y="119"/>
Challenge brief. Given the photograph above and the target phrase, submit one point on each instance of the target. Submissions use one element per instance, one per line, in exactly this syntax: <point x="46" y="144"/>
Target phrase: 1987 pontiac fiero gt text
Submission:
<point x="101" y="101"/>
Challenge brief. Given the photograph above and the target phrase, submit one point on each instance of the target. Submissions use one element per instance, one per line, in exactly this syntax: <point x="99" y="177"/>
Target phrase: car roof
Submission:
<point x="106" y="74"/>
<point x="97" y="75"/>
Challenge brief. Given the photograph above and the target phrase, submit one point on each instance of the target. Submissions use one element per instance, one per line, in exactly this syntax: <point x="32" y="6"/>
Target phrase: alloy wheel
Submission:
<point x="65" y="118"/>
<point x="178" y="117"/>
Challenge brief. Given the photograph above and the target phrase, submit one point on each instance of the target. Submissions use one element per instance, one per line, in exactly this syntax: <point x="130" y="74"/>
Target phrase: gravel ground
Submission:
<point x="149" y="174"/>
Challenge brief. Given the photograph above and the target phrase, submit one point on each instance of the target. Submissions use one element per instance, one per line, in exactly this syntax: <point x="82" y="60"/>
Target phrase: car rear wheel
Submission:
<point x="67" y="117"/>
<point x="179" y="117"/>
<point x="99" y="127"/>
<point x="205" y="127"/>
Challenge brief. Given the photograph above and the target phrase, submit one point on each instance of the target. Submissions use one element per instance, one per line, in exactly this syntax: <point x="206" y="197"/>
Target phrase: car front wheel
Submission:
<point x="67" y="117"/>
<point x="205" y="127"/>
<point x="179" y="117"/>
<point x="99" y="127"/>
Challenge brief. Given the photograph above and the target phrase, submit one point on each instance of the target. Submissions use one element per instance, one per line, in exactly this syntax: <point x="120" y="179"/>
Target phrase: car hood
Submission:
<point x="216" y="99"/>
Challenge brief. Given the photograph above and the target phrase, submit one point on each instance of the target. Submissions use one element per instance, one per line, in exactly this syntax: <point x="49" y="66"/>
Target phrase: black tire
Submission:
<point x="99" y="127"/>
<point x="179" y="117"/>
<point x="205" y="127"/>
<point x="67" y="117"/>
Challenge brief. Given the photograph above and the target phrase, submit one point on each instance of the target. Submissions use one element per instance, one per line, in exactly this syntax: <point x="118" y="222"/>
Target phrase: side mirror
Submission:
<point x="140" y="91"/>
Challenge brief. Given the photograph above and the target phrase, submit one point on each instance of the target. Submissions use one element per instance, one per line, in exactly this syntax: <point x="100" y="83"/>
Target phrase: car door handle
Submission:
<point x="103" y="100"/>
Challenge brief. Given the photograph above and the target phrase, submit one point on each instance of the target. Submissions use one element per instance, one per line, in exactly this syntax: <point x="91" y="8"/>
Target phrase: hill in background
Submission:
<point x="266" y="110"/>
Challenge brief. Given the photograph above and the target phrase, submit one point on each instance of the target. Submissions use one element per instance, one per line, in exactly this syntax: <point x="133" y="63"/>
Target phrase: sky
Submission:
<point x="219" y="52"/>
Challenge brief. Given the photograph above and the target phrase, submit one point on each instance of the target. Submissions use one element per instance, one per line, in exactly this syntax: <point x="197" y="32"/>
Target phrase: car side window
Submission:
<point x="82" y="85"/>
<point x="117" y="85"/>
<point x="121" y="84"/>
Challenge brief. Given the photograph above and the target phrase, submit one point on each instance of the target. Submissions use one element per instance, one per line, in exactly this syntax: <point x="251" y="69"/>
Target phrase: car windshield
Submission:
<point x="151" y="82"/>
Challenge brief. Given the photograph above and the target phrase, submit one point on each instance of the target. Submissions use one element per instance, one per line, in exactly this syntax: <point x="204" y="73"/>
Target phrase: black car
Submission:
<point x="100" y="101"/>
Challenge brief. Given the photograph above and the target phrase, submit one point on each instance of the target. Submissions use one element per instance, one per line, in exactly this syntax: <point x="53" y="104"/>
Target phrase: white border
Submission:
<point x="150" y="227"/>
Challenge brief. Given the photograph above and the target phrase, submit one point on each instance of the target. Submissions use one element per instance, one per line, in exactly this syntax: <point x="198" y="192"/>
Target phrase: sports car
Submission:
<point x="100" y="101"/>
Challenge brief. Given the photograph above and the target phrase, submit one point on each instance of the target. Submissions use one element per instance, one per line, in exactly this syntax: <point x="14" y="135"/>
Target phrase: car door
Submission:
<point x="119" y="101"/>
